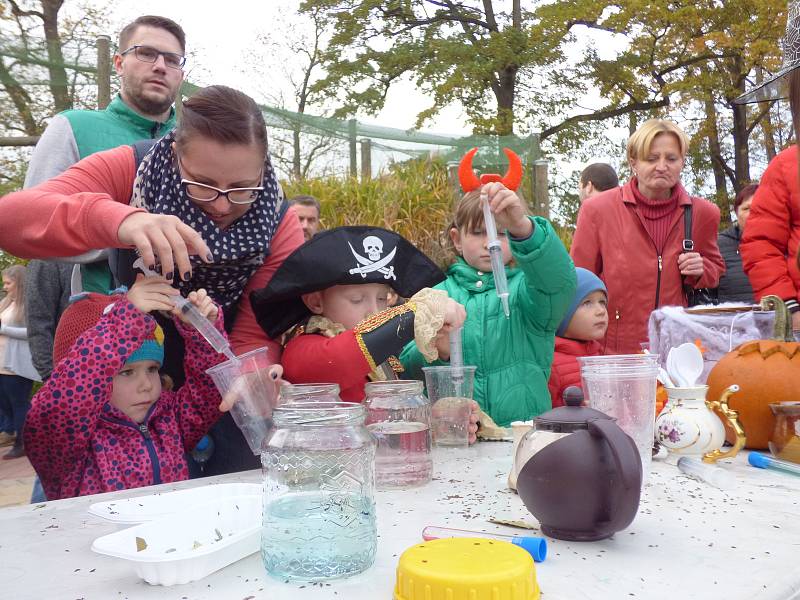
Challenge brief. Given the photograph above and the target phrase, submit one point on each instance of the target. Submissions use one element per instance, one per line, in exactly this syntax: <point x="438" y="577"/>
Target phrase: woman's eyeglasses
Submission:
<point x="150" y="55"/>
<point x="200" y="192"/>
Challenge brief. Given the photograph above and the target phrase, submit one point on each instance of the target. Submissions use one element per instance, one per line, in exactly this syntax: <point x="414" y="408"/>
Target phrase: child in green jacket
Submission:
<point x="513" y="355"/>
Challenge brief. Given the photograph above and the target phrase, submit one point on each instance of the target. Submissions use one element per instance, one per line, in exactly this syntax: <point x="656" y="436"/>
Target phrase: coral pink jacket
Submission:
<point x="611" y="241"/>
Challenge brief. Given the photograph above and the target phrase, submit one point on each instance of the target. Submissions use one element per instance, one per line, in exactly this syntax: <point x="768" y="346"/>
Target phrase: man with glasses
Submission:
<point x="149" y="63"/>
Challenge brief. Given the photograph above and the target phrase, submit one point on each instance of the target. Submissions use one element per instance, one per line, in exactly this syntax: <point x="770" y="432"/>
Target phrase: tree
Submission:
<point x="537" y="69"/>
<point x="296" y="147"/>
<point x="45" y="67"/>
<point x="456" y="53"/>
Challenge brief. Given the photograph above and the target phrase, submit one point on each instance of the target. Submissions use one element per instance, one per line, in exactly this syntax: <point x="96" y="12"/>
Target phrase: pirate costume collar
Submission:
<point x="352" y="255"/>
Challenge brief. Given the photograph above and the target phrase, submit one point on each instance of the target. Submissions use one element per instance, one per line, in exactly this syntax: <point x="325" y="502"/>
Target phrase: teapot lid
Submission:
<point x="572" y="413"/>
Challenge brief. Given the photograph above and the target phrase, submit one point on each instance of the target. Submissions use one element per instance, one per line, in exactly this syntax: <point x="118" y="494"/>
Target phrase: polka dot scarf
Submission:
<point x="238" y="251"/>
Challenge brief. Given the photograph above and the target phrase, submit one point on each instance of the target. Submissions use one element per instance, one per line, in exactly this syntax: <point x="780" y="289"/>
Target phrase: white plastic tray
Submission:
<point x="190" y="545"/>
<point x="155" y="506"/>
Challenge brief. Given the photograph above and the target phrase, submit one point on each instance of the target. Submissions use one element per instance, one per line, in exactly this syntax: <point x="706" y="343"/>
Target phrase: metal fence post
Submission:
<point x="103" y="45"/>
<point x="352" y="130"/>
<point x="366" y="159"/>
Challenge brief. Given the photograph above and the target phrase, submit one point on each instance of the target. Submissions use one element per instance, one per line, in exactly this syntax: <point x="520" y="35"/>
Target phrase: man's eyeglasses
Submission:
<point x="150" y="55"/>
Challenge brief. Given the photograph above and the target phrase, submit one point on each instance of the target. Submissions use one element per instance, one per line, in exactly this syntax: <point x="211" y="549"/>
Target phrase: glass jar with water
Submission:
<point x="399" y="416"/>
<point x="319" y="488"/>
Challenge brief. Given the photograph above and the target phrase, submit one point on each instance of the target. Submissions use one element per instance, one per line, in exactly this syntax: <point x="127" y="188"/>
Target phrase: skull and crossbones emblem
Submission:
<point x="373" y="248"/>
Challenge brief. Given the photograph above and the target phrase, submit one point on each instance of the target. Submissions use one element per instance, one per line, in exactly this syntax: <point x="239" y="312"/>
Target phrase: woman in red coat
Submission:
<point x="632" y="237"/>
<point x="771" y="239"/>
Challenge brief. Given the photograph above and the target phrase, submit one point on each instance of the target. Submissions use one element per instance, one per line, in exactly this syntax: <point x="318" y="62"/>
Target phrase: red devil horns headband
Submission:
<point x="469" y="181"/>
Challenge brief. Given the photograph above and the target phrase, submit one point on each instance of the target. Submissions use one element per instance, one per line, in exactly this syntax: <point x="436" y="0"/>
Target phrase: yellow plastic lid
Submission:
<point x="466" y="569"/>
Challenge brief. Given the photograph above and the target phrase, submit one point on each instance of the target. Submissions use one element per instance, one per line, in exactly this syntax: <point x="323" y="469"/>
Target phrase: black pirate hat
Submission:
<point x="341" y="256"/>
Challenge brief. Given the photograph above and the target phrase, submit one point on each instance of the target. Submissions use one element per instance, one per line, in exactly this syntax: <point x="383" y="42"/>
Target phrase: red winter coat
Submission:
<point x="772" y="232"/>
<point x="79" y="444"/>
<point x="566" y="371"/>
<point x="611" y="241"/>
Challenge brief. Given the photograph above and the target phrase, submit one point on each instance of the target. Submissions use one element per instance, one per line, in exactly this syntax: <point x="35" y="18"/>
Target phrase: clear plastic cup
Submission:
<point x="450" y="392"/>
<point x="626" y="392"/>
<point x="252" y="383"/>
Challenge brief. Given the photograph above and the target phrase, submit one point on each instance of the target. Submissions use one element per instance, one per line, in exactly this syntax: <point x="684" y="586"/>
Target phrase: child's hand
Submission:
<point x="454" y="316"/>
<point x="151" y="293"/>
<point x="261" y="385"/>
<point x="205" y="305"/>
<point x="474" y="415"/>
<point x="509" y="212"/>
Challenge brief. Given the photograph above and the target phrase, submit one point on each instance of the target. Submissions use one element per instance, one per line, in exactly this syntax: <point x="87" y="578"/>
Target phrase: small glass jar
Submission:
<point x="399" y="416"/>
<point x="319" y="492"/>
<point x="784" y="443"/>
<point x="309" y="392"/>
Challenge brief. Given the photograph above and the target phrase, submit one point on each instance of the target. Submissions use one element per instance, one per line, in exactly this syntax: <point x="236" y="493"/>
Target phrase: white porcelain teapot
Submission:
<point x="692" y="425"/>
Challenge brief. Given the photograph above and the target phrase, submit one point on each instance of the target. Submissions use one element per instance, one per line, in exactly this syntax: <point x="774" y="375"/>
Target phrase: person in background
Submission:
<point x="102" y="422"/>
<point x="512" y="355"/>
<point x="308" y="211"/>
<point x="632" y="237"/>
<point x="771" y="240"/>
<point x="16" y="369"/>
<point x="734" y="286"/>
<point x="149" y="64"/>
<point x="47" y="292"/>
<point x="579" y="334"/>
<point x="596" y="178"/>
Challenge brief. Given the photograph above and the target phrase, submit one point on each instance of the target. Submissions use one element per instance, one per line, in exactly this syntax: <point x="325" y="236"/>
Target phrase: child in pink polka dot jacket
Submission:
<point x="102" y="422"/>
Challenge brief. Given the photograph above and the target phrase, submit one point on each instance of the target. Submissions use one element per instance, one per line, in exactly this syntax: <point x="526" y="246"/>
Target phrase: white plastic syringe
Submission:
<point x="189" y="311"/>
<point x="495" y="253"/>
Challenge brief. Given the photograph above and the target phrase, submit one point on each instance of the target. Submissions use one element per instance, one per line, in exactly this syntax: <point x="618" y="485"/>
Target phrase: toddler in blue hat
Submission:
<point x="579" y="334"/>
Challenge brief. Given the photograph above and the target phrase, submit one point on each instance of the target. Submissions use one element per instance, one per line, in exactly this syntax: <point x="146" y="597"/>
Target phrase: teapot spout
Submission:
<point x="732" y="417"/>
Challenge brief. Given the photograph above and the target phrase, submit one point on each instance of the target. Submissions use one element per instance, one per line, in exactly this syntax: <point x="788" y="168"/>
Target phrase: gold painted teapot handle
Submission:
<point x="726" y="413"/>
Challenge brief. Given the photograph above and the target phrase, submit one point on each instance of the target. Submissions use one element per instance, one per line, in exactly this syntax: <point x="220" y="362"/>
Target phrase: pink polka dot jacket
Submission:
<point x="79" y="444"/>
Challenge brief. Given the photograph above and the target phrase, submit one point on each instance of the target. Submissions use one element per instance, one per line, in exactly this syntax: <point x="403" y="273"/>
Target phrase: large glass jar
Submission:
<point x="319" y="488"/>
<point x="399" y="416"/>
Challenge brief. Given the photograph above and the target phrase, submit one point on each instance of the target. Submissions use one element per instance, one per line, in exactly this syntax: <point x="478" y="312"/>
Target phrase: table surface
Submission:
<point x="689" y="540"/>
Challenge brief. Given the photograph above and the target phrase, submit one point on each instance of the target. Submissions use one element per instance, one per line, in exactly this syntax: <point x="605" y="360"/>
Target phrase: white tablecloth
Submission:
<point x="689" y="541"/>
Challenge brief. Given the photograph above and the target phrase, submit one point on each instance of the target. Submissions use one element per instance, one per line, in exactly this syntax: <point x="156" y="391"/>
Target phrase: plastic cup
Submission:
<point x="626" y="392"/>
<point x="450" y="392"/>
<point x="251" y="382"/>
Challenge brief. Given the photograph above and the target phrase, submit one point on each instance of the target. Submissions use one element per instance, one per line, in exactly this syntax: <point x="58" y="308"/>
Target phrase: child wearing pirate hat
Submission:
<point x="102" y="422"/>
<point x="333" y="292"/>
<point x="513" y="355"/>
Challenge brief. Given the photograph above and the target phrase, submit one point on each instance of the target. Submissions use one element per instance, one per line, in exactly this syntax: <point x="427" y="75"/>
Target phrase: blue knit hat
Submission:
<point x="588" y="282"/>
<point x="152" y="348"/>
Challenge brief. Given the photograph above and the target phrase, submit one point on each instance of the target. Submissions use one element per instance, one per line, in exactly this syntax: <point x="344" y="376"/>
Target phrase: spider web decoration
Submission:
<point x="776" y="88"/>
<point x="790" y="43"/>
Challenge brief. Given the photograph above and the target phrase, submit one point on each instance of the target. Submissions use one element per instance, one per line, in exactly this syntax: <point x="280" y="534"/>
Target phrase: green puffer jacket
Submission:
<point x="513" y="355"/>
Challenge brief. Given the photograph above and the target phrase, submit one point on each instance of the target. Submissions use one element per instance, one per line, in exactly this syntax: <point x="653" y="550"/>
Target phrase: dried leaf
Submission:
<point x="140" y="544"/>
<point x="512" y="523"/>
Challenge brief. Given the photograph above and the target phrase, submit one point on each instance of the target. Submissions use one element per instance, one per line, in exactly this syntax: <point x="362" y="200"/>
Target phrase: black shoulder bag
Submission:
<point x="694" y="296"/>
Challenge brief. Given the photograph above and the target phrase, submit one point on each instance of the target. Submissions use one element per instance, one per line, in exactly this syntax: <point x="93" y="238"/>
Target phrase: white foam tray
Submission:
<point x="190" y="545"/>
<point x="155" y="506"/>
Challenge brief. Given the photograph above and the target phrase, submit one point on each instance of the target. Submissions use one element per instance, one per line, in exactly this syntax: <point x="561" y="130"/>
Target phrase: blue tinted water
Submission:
<point x="318" y="535"/>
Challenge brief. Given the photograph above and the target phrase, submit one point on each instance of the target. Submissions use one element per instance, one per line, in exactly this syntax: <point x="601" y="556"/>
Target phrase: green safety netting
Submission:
<point x="410" y="142"/>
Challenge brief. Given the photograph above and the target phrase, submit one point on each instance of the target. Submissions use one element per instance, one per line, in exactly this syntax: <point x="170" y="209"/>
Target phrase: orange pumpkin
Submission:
<point x="766" y="371"/>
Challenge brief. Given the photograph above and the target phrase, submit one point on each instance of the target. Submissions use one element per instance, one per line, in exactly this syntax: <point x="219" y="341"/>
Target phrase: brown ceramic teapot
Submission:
<point x="580" y="475"/>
